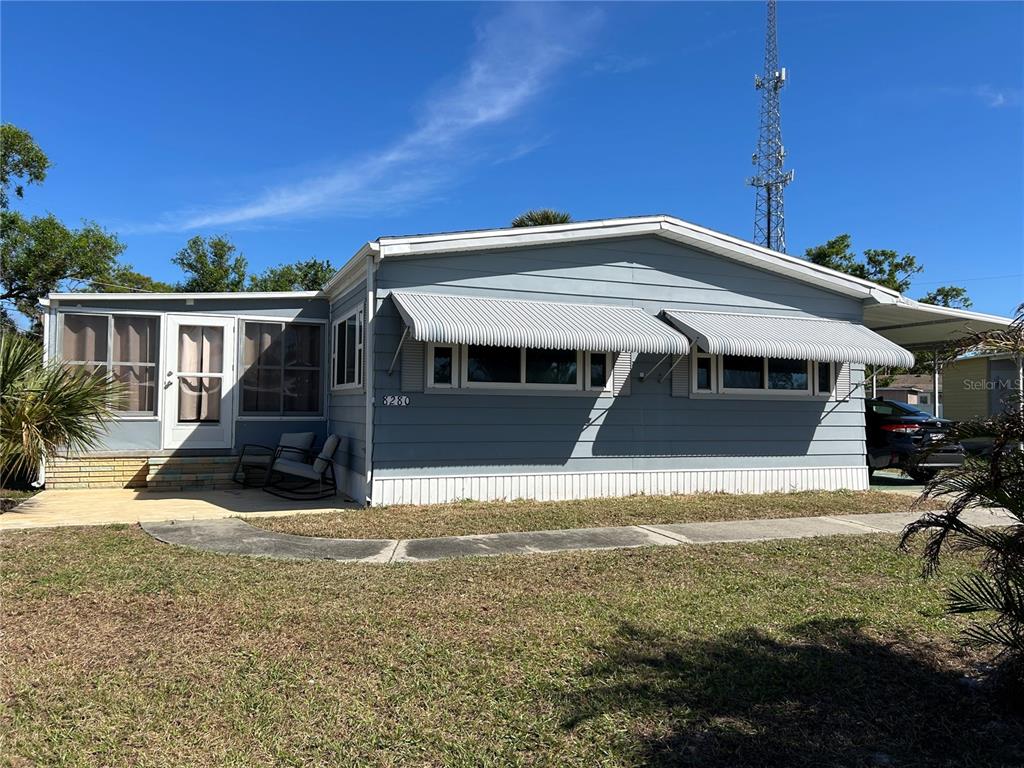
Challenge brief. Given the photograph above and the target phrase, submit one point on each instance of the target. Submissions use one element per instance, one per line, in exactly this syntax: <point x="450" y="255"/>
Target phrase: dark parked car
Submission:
<point x="904" y="437"/>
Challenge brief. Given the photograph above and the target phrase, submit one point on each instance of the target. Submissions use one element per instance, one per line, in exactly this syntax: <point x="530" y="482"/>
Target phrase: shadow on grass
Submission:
<point x="829" y="696"/>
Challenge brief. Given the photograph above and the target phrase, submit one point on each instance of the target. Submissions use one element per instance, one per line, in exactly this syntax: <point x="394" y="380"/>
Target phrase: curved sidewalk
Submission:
<point x="233" y="536"/>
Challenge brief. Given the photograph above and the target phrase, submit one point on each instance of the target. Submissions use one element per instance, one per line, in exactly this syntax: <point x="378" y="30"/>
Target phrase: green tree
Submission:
<point x="47" y="409"/>
<point x="211" y="266"/>
<point x="885" y="267"/>
<point x="538" y="217"/>
<point x="308" y="275"/>
<point x="22" y="162"/>
<point x="40" y="255"/>
<point x="122" y="278"/>
<point x="948" y="296"/>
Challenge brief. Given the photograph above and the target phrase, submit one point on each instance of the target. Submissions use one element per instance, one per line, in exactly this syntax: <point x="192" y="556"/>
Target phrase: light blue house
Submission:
<point x="640" y="355"/>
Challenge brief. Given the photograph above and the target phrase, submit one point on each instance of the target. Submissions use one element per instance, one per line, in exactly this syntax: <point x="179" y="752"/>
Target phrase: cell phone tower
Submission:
<point x="770" y="180"/>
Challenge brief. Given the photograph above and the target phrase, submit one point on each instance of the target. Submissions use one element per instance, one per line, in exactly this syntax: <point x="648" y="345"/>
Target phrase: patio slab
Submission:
<point x="759" y="530"/>
<point x="530" y="542"/>
<point x="107" y="506"/>
<point x="236" y="537"/>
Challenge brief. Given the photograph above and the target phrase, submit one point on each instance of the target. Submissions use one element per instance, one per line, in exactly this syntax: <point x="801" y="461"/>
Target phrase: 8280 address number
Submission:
<point x="397" y="400"/>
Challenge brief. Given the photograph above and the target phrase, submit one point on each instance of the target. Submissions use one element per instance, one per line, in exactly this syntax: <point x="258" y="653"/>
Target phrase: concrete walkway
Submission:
<point x="236" y="537"/>
<point x="107" y="506"/>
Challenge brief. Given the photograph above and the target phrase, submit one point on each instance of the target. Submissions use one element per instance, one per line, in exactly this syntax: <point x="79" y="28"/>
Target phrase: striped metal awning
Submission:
<point x="448" y="319"/>
<point x="791" y="338"/>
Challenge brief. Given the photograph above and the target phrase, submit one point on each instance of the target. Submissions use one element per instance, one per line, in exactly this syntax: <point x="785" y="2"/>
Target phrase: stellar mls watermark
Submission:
<point x="989" y="385"/>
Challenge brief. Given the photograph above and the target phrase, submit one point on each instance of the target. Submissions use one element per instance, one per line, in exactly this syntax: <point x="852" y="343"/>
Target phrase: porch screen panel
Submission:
<point x="261" y="363"/>
<point x="303" y="350"/>
<point x="281" y="365"/>
<point x="84" y="343"/>
<point x="200" y="350"/>
<point x="134" y="359"/>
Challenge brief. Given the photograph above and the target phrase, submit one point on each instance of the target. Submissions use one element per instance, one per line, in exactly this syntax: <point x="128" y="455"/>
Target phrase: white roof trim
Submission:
<point x="88" y="296"/>
<point x="787" y="337"/>
<point x="448" y="319"/>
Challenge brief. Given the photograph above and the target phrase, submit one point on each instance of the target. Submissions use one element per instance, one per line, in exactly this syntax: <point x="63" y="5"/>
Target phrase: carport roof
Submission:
<point x="914" y="325"/>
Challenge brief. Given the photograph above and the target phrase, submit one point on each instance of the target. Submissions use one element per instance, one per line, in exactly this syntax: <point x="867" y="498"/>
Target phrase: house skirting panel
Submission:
<point x="558" y="486"/>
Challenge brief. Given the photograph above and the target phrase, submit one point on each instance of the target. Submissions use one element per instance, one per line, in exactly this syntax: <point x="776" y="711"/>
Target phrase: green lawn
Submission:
<point x="407" y="522"/>
<point x="118" y="650"/>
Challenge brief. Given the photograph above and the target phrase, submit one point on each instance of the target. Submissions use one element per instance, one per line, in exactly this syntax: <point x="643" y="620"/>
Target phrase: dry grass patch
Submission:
<point x="471" y="517"/>
<point x="118" y="650"/>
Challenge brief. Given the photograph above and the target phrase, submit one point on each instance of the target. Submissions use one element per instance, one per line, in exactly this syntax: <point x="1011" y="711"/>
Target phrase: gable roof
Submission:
<point x="663" y="226"/>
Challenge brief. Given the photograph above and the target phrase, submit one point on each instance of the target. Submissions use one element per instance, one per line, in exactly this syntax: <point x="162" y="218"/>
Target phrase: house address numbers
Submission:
<point x="396" y="400"/>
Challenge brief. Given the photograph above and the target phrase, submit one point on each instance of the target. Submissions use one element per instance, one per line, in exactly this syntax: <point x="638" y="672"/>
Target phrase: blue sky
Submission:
<point x="307" y="129"/>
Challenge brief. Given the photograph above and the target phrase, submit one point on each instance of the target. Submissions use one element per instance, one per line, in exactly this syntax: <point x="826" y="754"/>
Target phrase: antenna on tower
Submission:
<point x="770" y="179"/>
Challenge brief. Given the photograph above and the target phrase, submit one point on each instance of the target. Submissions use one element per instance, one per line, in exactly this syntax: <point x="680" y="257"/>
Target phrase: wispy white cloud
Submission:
<point x="997" y="97"/>
<point x="517" y="53"/>
<point x="615" y="64"/>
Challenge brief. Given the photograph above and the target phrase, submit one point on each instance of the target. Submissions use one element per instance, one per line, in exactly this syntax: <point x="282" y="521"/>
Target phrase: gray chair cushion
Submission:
<point x="296" y="469"/>
<point x="301" y="440"/>
<point x="330" y="446"/>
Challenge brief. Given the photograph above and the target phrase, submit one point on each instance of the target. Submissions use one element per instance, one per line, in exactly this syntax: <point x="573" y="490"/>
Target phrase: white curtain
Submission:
<point x="134" y="360"/>
<point x="85" y="339"/>
<point x="200" y="350"/>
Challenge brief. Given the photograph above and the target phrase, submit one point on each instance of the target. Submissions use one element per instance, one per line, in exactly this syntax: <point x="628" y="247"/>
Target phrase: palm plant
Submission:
<point x="538" y="217"/>
<point x="993" y="480"/>
<point x="47" y="408"/>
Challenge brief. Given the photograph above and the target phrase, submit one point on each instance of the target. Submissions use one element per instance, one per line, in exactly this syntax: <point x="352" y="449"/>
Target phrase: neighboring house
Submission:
<point x="912" y="389"/>
<point x="625" y="356"/>
<point x="976" y="386"/>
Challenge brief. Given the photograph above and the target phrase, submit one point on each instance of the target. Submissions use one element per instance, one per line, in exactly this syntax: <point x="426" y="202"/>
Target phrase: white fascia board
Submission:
<point x="351" y="272"/>
<point x="86" y="295"/>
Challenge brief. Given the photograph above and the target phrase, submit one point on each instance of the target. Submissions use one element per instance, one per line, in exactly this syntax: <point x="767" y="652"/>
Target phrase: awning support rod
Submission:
<point x="936" y="407"/>
<point x="405" y="332"/>
<point x="668" y="373"/>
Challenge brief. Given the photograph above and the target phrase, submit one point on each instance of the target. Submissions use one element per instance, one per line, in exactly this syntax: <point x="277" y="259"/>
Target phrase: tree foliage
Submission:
<point x="538" y="217"/>
<point x="22" y="162"/>
<point x="308" y="275"/>
<point x="885" y="267"/>
<point x="993" y="480"/>
<point x="211" y="266"/>
<point x="40" y="255"/>
<point x="948" y="296"/>
<point x="47" y="409"/>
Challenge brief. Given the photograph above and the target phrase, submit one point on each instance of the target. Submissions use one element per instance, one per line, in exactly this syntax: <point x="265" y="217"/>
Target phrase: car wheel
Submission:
<point x="921" y="475"/>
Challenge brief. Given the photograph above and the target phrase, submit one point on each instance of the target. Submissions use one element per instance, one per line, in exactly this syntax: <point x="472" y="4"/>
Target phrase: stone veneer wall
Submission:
<point x="157" y="473"/>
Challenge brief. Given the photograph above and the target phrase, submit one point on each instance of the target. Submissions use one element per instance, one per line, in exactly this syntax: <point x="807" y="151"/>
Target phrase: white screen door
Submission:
<point x="199" y="383"/>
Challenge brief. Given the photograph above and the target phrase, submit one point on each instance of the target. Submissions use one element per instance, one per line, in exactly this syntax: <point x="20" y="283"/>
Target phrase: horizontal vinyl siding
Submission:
<point x="347" y="410"/>
<point x="642" y="271"/>
<point x="469" y="433"/>
<point x="964" y="393"/>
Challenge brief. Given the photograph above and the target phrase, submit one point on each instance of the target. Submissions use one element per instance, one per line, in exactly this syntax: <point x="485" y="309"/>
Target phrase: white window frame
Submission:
<point x="718" y="387"/>
<point x="522" y="383"/>
<point x="833" y="372"/>
<point x="357" y="315"/>
<point x="240" y="362"/>
<point x="713" y="388"/>
<point x="456" y="366"/>
<point x="609" y="368"/>
<point x="152" y="415"/>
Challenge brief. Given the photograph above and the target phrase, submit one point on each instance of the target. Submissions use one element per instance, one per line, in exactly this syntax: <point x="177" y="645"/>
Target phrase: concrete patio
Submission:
<point x="107" y="506"/>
